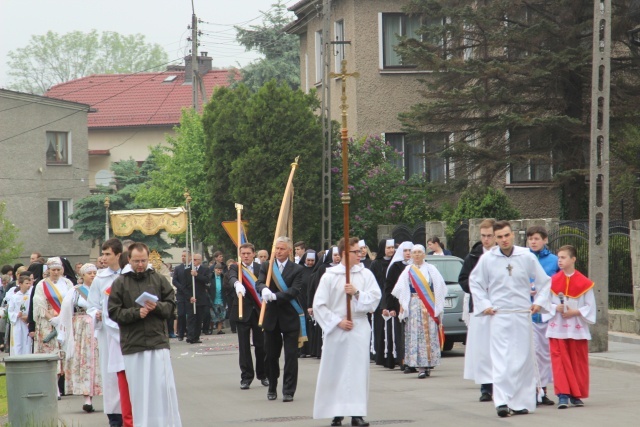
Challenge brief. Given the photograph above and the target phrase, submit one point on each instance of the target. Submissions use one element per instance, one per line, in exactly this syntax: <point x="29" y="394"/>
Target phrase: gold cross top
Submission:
<point x="343" y="75"/>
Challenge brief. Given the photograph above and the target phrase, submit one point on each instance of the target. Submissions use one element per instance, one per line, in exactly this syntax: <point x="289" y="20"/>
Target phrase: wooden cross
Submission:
<point x="343" y="75"/>
<point x="509" y="267"/>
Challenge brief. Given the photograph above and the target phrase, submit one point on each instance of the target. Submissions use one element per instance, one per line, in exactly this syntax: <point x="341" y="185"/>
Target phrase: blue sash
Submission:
<point x="283" y="288"/>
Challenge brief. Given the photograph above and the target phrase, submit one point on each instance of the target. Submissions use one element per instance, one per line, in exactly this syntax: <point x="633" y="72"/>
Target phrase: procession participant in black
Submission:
<point x="202" y="279"/>
<point x="251" y="302"/>
<point x="307" y="260"/>
<point x="383" y="333"/>
<point x="282" y="322"/>
<point x="398" y="263"/>
<point x="182" y="301"/>
<point x="331" y="258"/>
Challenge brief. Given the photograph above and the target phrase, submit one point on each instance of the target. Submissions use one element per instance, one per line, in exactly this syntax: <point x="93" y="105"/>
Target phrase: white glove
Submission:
<point x="240" y="288"/>
<point x="267" y="295"/>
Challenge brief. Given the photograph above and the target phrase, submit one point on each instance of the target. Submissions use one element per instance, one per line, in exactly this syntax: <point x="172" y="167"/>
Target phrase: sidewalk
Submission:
<point x="623" y="354"/>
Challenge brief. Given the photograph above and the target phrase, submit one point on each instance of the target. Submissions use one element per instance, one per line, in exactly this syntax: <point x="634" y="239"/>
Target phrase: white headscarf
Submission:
<point x="399" y="255"/>
<point x="418" y="247"/>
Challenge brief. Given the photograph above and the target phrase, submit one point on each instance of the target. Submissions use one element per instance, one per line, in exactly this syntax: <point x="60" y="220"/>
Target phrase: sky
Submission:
<point x="163" y="22"/>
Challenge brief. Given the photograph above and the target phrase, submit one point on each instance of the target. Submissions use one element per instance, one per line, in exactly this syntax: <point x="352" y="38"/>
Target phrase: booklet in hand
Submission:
<point x="144" y="297"/>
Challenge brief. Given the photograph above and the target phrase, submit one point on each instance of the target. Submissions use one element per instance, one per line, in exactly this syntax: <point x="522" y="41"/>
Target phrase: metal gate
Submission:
<point x="405" y="233"/>
<point x="459" y="244"/>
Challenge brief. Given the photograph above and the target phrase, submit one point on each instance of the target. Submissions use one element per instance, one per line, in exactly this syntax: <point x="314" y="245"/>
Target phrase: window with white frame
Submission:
<point x="422" y="156"/>
<point x="319" y="57"/>
<point x="58" y="215"/>
<point x="533" y="169"/>
<point x="393" y="26"/>
<point x="58" y="148"/>
<point x="339" y="47"/>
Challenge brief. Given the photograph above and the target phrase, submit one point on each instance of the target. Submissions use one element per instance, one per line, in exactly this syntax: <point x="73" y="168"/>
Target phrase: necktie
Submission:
<point x="280" y="267"/>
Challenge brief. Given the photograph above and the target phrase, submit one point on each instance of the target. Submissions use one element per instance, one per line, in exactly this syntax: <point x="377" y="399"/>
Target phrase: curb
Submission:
<point x="624" y="337"/>
<point x="620" y="365"/>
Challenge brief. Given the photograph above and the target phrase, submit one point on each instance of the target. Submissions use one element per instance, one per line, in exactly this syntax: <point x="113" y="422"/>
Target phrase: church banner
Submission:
<point x="149" y="221"/>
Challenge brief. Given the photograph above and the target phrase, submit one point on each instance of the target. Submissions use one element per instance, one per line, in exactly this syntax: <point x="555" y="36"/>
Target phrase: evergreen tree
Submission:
<point x="512" y="80"/>
<point x="10" y="247"/>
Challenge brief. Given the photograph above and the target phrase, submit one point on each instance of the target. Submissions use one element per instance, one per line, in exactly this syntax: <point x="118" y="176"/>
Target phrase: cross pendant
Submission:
<point x="509" y="267"/>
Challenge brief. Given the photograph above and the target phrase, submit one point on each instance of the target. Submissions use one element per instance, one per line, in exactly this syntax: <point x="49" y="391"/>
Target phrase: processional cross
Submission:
<point x="509" y="267"/>
<point x="345" y="198"/>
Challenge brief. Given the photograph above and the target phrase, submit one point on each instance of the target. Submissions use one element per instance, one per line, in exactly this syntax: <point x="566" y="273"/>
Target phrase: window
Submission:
<point x="394" y="26"/>
<point x="536" y="169"/>
<point x="339" y="48"/>
<point x="58" y="212"/>
<point x="319" y="57"/>
<point x="422" y="156"/>
<point x="58" y="148"/>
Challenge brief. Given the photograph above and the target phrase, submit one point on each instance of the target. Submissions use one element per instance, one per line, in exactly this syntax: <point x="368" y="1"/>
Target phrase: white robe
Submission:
<point x="477" y="354"/>
<point x="504" y="284"/>
<point x="342" y="388"/>
<point x="20" y="343"/>
<point x="108" y="334"/>
<point x="576" y="327"/>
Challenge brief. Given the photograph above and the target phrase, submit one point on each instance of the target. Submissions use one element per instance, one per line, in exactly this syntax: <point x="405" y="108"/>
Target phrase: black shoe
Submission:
<point x="520" y="412"/>
<point x="287" y="398"/>
<point x="272" y="395"/>
<point x="546" y="401"/>
<point x="88" y="408"/>
<point x="503" y="411"/>
<point x="485" y="397"/>
<point x="410" y="370"/>
<point x="337" y="421"/>
<point x="194" y="342"/>
<point x="244" y="385"/>
<point x="264" y="382"/>
<point x="180" y="338"/>
<point x="423" y="375"/>
<point x="220" y="332"/>
<point x="358" y="421"/>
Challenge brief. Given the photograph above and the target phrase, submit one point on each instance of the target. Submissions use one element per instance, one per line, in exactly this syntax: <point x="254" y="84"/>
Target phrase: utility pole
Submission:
<point x="599" y="172"/>
<point x="194" y="58"/>
<point x="326" y="124"/>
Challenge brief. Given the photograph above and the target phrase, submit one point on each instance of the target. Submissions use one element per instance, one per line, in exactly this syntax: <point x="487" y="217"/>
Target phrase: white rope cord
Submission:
<point x="386" y="339"/>
<point x="372" y="348"/>
<point x="393" y="336"/>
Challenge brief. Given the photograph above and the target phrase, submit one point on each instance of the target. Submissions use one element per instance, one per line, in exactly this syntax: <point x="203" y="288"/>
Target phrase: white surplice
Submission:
<point x="108" y="334"/>
<point x="343" y="379"/>
<point x="504" y="284"/>
<point x="20" y="342"/>
<point x="152" y="388"/>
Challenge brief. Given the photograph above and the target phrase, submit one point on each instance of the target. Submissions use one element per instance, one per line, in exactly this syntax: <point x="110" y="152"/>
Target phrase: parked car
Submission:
<point x="455" y="329"/>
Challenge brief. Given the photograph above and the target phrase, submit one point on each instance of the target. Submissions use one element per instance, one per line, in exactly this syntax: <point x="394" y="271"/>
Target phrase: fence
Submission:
<point x="405" y="233"/>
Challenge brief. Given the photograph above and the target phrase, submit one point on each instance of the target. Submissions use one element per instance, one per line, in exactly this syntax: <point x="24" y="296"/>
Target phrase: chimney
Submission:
<point x="204" y="66"/>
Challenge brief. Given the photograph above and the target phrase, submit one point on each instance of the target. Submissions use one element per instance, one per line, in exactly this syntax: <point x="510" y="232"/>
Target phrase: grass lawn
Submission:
<point x="3" y="393"/>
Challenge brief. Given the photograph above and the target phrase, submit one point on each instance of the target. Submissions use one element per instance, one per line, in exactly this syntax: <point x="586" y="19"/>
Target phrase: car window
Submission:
<point x="450" y="270"/>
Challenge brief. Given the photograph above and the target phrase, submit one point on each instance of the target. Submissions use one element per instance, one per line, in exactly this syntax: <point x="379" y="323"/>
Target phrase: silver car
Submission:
<point x="454" y="328"/>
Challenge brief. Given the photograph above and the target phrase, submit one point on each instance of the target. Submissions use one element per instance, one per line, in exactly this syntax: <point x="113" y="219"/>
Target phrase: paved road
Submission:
<point x="207" y="377"/>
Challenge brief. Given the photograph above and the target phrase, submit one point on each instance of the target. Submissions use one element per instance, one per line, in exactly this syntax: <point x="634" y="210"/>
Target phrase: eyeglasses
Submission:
<point x="354" y="252"/>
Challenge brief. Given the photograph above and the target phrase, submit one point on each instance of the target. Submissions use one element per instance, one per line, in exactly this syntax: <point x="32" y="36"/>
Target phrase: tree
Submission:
<point x="52" y="58"/>
<point x="182" y="165"/>
<point x="251" y="141"/>
<point x="89" y="212"/>
<point x="378" y="190"/>
<point x="281" y="51"/>
<point x="512" y="80"/>
<point x="10" y="248"/>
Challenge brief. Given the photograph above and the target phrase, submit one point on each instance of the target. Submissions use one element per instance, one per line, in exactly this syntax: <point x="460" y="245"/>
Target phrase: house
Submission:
<point x="45" y="169"/>
<point x="386" y="87"/>
<point x="132" y="112"/>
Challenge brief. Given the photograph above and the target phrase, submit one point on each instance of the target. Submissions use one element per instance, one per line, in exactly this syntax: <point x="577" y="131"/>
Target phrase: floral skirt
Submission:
<point x="218" y="313"/>
<point x="82" y="371"/>
<point x="421" y="344"/>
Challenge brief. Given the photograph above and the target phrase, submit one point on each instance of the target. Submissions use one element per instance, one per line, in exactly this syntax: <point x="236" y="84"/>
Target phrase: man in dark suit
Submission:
<point x="182" y="301"/>
<point x="200" y="273"/>
<point x="250" y="315"/>
<point x="281" y="321"/>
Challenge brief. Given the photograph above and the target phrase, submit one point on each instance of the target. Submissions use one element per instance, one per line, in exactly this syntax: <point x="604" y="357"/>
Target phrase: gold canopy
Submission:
<point x="149" y="221"/>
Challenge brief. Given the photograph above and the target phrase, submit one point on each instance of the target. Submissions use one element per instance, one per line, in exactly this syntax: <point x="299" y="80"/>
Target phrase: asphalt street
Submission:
<point x="208" y="382"/>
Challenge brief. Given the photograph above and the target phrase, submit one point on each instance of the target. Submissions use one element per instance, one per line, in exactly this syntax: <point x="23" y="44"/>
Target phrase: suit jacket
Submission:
<point x="178" y="281"/>
<point x="249" y="307"/>
<point x="202" y="281"/>
<point x="281" y="311"/>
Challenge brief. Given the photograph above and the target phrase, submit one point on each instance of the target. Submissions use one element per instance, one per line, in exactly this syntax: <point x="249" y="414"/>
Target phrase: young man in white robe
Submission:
<point x="342" y="388"/>
<point x="501" y="284"/>
<point x="108" y="334"/>
<point x="18" y="309"/>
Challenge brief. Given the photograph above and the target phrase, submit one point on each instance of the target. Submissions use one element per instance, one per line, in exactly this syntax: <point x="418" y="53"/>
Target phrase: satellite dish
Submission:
<point x="104" y="177"/>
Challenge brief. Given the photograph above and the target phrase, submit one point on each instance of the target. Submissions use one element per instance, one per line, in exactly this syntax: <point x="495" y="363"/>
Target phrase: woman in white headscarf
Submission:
<point x="422" y="338"/>
<point x="47" y="303"/>
<point x="76" y="335"/>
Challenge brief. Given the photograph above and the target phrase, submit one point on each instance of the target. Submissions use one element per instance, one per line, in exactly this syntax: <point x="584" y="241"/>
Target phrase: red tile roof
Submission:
<point x="142" y="99"/>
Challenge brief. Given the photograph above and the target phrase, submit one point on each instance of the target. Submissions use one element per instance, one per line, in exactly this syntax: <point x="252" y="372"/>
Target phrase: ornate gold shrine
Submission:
<point x="149" y="221"/>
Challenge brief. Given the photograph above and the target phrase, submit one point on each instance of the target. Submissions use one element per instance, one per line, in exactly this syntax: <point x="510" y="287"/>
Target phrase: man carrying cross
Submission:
<point x="500" y="285"/>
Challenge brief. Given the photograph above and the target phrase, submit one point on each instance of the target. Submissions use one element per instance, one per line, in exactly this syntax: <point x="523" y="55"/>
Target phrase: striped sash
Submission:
<point x="83" y="291"/>
<point x="53" y="295"/>
<point x="283" y="288"/>
<point x="249" y="281"/>
<point x="423" y="289"/>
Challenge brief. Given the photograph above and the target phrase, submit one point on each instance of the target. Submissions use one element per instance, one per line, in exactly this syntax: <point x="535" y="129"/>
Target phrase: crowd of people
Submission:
<point x="111" y="322"/>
